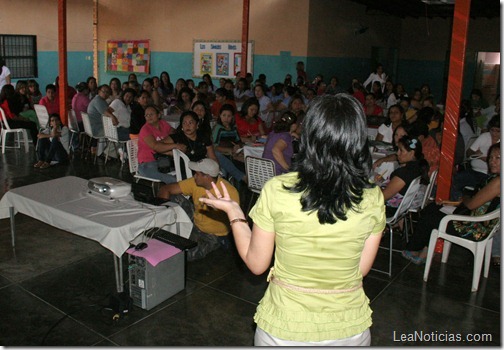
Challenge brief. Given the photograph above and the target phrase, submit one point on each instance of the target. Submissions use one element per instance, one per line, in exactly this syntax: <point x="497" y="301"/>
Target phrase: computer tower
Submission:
<point x="151" y="285"/>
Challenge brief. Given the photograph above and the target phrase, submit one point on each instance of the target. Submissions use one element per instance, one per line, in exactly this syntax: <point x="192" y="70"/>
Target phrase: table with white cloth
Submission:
<point x="66" y="203"/>
<point x="254" y="150"/>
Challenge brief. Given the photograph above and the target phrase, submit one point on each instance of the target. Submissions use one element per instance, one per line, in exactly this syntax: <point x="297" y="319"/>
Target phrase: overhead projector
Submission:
<point x="109" y="187"/>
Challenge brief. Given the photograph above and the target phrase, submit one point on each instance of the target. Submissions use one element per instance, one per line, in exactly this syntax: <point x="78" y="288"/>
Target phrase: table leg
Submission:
<point x="118" y="273"/>
<point x="13" y="226"/>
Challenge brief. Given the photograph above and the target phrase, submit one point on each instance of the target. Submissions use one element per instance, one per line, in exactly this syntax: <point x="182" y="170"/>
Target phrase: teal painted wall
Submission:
<point x="179" y="65"/>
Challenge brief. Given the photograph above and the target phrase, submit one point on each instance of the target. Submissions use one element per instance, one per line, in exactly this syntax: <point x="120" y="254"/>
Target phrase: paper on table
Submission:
<point x="155" y="252"/>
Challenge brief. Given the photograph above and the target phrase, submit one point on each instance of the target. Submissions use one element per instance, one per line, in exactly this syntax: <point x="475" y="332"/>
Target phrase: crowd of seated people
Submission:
<point x="259" y="105"/>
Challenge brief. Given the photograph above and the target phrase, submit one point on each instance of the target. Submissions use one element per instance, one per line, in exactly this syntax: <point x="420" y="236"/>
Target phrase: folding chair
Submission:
<point x="20" y="135"/>
<point x="132" y="149"/>
<point x="111" y="137"/>
<point x="42" y="115"/>
<point x="259" y="171"/>
<point x="427" y="198"/>
<point x="400" y="213"/>
<point x="89" y="132"/>
<point x="481" y="249"/>
<point x="178" y="155"/>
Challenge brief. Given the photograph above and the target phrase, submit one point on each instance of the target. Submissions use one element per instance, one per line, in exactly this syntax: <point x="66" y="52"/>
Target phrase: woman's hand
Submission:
<point x="378" y="163"/>
<point x="222" y="202"/>
<point x="181" y="147"/>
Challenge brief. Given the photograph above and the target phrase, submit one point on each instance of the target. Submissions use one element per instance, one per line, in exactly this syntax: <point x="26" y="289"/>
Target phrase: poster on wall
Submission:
<point x="216" y="56"/>
<point x="128" y="56"/>
<point x="237" y="62"/>
<point x="222" y="68"/>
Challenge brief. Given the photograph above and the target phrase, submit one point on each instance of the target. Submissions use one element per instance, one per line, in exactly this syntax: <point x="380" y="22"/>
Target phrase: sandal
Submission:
<point x="496" y="261"/>
<point x="38" y="164"/>
<point x="414" y="259"/>
<point x="45" y="165"/>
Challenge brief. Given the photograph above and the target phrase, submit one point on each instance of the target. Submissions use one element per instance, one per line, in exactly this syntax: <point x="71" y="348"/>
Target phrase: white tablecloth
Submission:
<point x="66" y="204"/>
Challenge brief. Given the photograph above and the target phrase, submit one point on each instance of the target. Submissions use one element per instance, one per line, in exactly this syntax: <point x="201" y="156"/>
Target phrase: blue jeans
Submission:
<point x="228" y="167"/>
<point x="150" y="169"/>
<point x="51" y="150"/>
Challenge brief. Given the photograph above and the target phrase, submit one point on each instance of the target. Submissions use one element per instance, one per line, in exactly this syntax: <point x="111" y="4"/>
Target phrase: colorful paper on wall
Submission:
<point x="128" y="56"/>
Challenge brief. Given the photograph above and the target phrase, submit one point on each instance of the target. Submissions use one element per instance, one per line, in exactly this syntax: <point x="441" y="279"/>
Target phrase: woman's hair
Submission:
<point x="245" y="106"/>
<point x="187" y="90"/>
<point x="7" y="92"/>
<point x="406" y="126"/>
<point x="183" y="115"/>
<point x="261" y="86"/>
<point x="284" y="122"/>
<point x="89" y="79"/>
<point x="21" y="84"/>
<point x="495" y="146"/>
<point x="412" y="144"/>
<point x="494" y="122"/>
<point x="334" y="161"/>
<point x="401" y="110"/>
<point x="125" y="91"/>
<point x="118" y="82"/>
<point x="209" y="82"/>
<point x="33" y="82"/>
<point x="161" y="83"/>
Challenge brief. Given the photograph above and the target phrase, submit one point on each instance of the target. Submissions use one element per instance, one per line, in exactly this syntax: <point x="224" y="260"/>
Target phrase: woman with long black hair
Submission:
<point x="323" y="223"/>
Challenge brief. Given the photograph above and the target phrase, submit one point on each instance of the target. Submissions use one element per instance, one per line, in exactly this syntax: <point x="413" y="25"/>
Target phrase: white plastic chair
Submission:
<point x="20" y="135"/>
<point x="42" y="115"/>
<point x="178" y="155"/>
<point x="259" y="171"/>
<point x="480" y="250"/>
<point x="427" y="197"/>
<point x="132" y="149"/>
<point x="89" y="131"/>
<point x="111" y="136"/>
<point x="400" y="213"/>
<point x="73" y="125"/>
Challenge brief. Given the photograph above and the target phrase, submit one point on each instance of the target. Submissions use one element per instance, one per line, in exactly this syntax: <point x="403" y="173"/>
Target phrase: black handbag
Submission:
<point x="164" y="162"/>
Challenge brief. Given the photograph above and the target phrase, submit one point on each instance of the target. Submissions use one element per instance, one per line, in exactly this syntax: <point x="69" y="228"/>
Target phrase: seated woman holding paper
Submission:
<point x="485" y="200"/>
<point x="412" y="165"/>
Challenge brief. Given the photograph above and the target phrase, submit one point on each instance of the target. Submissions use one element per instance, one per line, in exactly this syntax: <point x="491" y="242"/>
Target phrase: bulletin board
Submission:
<point x="128" y="56"/>
<point x="219" y="58"/>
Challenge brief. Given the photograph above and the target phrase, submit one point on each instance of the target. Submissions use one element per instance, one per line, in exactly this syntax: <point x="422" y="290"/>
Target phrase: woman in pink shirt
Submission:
<point x="152" y="142"/>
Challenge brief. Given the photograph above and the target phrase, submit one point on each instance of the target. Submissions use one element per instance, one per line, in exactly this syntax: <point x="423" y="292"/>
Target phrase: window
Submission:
<point x="20" y="54"/>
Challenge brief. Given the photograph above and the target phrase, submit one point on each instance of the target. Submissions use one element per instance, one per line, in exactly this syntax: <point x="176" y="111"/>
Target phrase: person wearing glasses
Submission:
<point x="96" y="109"/>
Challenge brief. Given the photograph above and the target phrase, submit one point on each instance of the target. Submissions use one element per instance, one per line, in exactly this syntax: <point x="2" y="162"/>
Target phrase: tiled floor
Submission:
<point x="55" y="289"/>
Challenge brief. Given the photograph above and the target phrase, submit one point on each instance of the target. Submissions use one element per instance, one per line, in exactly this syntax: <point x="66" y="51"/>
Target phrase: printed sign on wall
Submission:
<point x="128" y="56"/>
<point x="215" y="58"/>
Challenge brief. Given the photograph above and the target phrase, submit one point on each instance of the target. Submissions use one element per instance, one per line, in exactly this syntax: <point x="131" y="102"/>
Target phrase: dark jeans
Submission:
<point x="51" y="150"/>
<point x="465" y="178"/>
<point x="23" y="124"/>
<point x="429" y="219"/>
<point x="206" y="242"/>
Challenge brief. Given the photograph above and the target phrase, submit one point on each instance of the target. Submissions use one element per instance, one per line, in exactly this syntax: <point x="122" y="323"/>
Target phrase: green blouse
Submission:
<point x="315" y="256"/>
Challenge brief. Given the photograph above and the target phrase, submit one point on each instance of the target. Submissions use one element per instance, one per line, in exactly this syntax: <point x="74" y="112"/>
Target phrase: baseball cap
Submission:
<point x="206" y="166"/>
